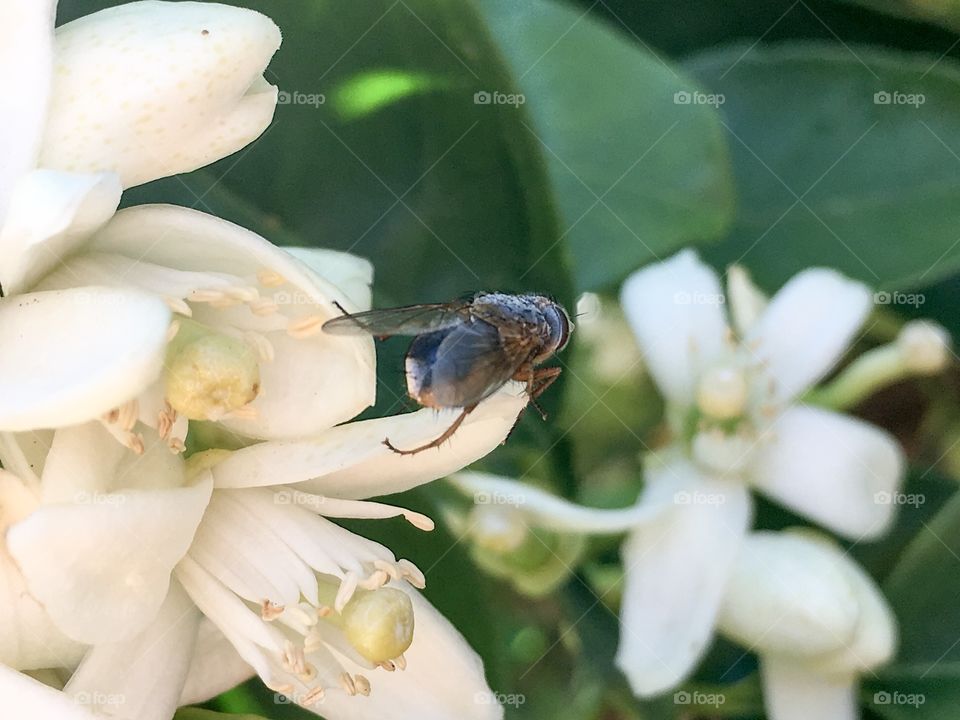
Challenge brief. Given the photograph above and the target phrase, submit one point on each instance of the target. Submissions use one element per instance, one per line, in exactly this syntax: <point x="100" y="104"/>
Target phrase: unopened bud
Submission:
<point x="925" y="347"/>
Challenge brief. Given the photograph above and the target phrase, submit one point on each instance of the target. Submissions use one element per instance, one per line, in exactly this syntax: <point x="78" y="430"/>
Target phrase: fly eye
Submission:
<point x="560" y="327"/>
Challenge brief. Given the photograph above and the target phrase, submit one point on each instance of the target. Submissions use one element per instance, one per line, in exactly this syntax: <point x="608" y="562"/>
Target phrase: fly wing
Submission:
<point x="473" y="362"/>
<point x="408" y="320"/>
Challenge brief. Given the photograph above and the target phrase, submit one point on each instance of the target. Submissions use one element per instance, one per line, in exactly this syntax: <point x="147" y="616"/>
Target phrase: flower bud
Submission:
<point x="379" y="623"/>
<point x="924" y="347"/>
<point x="210" y="375"/>
<point x="498" y="528"/>
<point x="789" y="595"/>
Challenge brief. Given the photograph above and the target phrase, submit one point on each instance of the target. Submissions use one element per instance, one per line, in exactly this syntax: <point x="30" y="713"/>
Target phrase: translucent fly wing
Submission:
<point x="472" y="363"/>
<point x="408" y="320"/>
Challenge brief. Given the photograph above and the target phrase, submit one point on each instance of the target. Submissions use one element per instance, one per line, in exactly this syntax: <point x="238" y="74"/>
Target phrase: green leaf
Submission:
<point x="192" y="713"/>
<point x="942" y="12"/>
<point x="637" y="174"/>
<point x="844" y="156"/>
<point x="923" y="589"/>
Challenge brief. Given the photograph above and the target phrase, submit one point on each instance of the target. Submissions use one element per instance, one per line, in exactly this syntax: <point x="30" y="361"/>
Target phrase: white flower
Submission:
<point x="815" y="618"/>
<point x="111" y="100"/>
<point x="211" y="569"/>
<point x="732" y="406"/>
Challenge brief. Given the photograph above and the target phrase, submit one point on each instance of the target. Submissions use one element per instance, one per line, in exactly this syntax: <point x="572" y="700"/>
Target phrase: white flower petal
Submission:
<point x="215" y="668"/>
<point x="102" y="569"/>
<point x="86" y="461"/>
<point x="72" y="356"/>
<point x="141" y="677"/>
<point x="150" y="89"/>
<point x="26" y="59"/>
<point x="837" y="470"/>
<point x="676" y="570"/>
<point x="29" y="639"/>
<point x="311" y="385"/>
<point x="676" y="311"/>
<point x="543" y="510"/>
<point x="443" y="680"/>
<point x="747" y="302"/>
<point x="792" y="691"/>
<point x="351" y="273"/>
<point x="350" y="461"/>
<point x="24" y="697"/>
<point x="807" y="326"/>
<point x="50" y="213"/>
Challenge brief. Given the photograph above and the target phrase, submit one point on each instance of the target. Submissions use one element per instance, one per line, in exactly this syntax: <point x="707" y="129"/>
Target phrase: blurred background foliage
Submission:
<point x="604" y="167"/>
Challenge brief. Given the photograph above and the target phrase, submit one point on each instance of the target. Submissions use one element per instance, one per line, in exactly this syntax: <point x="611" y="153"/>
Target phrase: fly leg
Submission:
<point x="538" y="380"/>
<point x="437" y="442"/>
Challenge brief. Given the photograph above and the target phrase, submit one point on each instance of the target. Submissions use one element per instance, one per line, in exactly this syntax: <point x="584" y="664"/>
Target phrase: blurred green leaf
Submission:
<point x="638" y="173"/>
<point x="942" y="12"/>
<point x="923" y="589"/>
<point x="847" y="157"/>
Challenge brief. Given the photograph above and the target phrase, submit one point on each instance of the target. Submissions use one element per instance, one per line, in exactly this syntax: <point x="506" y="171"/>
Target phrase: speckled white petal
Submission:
<point x="50" y="214"/>
<point x="142" y="677"/>
<point x="24" y="697"/>
<point x="150" y="89"/>
<point x="215" y="668"/>
<point x="839" y="471"/>
<point x="102" y="569"/>
<point x="676" y="310"/>
<point x="676" y="570"/>
<point x="443" y="680"/>
<point x="543" y="510"/>
<point x="71" y="356"/>
<point x="26" y="65"/>
<point x="350" y="461"/>
<point x="806" y="328"/>
<point x="792" y="691"/>
<point x="351" y="273"/>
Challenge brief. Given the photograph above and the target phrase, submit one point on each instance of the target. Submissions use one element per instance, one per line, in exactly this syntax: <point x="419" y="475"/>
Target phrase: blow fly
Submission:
<point x="466" y="350"/>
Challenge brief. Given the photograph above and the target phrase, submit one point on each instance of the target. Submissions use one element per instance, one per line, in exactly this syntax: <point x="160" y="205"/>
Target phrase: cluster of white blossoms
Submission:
<point x="136" y="579"/>
<point x="734" y="389"/>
